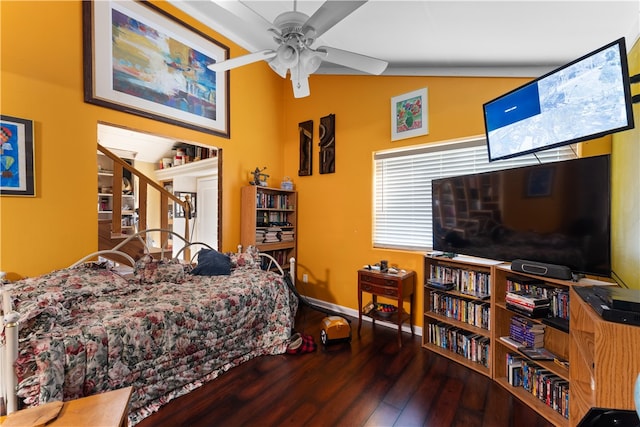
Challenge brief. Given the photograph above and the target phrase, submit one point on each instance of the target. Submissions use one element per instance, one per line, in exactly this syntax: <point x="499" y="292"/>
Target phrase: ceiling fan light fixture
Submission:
<point x="287" y="55"/>
<point x="279" y="68"/>
<point x="310" y="60"/>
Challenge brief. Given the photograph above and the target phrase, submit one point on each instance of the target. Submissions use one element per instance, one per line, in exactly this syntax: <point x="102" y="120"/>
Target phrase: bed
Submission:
<point x="162" y="328"/>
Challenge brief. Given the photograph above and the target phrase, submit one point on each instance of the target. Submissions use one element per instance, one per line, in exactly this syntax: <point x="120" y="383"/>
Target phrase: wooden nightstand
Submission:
<point x="108" y="409"/>
<point x="394" y="286"/>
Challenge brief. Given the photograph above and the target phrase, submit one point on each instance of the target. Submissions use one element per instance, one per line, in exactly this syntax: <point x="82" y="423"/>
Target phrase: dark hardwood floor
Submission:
<point x="369" y="382"/>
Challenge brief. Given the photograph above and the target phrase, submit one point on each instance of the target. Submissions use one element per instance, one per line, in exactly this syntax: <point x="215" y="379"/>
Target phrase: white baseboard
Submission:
<point x="354" y="313"/>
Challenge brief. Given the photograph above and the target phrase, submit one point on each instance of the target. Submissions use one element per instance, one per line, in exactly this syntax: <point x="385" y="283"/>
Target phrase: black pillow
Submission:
<point x="212" y="263"/>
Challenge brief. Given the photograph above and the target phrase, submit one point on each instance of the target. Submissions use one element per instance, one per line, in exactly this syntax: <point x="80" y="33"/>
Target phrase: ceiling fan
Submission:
<point x="295" y="32"/>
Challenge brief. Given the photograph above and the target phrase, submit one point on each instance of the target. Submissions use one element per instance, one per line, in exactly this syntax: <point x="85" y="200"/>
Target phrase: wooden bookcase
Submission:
<point x="457" y="321"/>
<point x="605" y="361"/>
<point x="604" y="357"/>
<point x="126" y="202"/>
<point x="556" y="340"/>
<point x="271" y="213"/>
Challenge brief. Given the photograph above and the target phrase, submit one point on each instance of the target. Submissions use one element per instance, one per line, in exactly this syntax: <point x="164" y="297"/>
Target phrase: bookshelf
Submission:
<point x="604" y="356"/>
<point x="126" y="201"/>
<point x="268" y="221"/>
<point x="457" y="310"/>
<point x="547" y="390"/>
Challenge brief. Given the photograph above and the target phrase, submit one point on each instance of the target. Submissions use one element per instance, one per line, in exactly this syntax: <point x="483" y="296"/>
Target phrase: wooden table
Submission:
<point x="394" y="286"/>
<point x="108" y="409"/>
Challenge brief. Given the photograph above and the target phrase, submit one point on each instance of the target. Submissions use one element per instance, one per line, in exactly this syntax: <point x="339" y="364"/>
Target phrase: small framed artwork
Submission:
<point x="141" y="60"/>
<point x="540" y="182"/>
<point x="17" y="176"/>
<point x="409" y="115"/>
<point x="185" y="196"/>
<point x="306" y="154"/>
<point x="328" y="144"/>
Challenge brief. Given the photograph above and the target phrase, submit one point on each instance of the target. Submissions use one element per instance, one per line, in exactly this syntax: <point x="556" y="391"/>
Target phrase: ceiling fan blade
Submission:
<point x="329" y="14"/>
<point x="353" y="60"/>
<point x="239" y="61"/>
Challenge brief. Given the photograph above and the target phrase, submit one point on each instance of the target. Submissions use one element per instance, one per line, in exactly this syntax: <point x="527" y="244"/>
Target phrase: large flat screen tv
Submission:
<point x="556" y="213"/>
<point x="585" y="99"/>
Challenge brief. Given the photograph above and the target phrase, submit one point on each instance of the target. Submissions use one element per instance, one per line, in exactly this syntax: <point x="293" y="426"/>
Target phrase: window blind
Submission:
<point x="402" y="185"/>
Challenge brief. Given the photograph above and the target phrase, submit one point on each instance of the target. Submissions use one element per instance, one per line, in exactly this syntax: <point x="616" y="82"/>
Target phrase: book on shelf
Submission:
<point x="531" y="313"/>
<point x="441" y="285"/>
<point x="538" y="353"/>
<point x="513" y="343"/>
<point x="526" y="299"/>
<point x="526" y="324"/>
<point x="514" y="369"/>
<point x="528" y="339"/>
<point x="526" y="332"/>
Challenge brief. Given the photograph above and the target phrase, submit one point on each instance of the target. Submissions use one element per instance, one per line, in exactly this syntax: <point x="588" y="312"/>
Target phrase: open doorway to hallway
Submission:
<point x="178" y="166"/>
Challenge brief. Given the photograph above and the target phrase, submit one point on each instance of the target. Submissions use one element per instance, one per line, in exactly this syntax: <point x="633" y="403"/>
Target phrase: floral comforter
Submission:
<point x="86" y="330"/>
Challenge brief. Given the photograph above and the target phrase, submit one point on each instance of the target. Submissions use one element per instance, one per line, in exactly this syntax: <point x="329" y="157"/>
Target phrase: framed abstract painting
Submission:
<point x="409" y="115"/>
<point x="141" y="60"/>
<point x="17" y="177"/>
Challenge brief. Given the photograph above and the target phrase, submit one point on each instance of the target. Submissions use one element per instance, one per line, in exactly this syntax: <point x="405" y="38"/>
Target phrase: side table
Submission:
<point x="107" y="409"/>
<point x="394" y="286"/>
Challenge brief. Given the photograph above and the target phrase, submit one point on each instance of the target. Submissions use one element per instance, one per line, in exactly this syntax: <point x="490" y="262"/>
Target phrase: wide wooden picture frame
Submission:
<point x="17" y="176"/>
<point x="409" y="115"/>
<point x="141" y="60"/>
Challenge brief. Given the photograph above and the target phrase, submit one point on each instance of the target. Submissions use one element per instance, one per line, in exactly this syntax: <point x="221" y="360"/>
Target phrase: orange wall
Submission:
<point x="335" y="216"/>
<point x="41" y="60"/>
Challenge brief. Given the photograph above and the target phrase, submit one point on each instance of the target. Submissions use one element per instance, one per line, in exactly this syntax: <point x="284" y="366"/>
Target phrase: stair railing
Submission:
<point x="119" y="165"/>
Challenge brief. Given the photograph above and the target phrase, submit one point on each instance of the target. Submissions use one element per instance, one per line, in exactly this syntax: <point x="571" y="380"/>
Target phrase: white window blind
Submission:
<point x="402" y="185"/>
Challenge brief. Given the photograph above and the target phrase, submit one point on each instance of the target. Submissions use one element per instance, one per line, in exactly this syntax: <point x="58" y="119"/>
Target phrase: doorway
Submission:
<point x="147" y="152"/>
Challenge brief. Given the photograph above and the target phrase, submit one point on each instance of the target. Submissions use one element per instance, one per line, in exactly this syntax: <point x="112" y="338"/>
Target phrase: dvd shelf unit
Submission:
<point x="540" y="378"/>
<point x="268" y="221"/>
<point x="457" y="310"/>
<point x="604" y="356"/>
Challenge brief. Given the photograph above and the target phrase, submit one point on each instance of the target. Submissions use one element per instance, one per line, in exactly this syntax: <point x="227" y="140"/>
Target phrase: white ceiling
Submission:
<point x="130" y="144"/>
<point x="438" y="37"/>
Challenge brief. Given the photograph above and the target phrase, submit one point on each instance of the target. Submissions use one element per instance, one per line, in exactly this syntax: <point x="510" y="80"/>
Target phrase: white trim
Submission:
<point x="354" y="314"/>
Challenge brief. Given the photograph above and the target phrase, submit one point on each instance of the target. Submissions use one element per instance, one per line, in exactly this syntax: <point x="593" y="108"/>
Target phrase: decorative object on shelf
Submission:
<point x="185" y="196"/>
<point x="16" y="157"/>
<point x="286" y="183"/>
<point x="385" y="310"/>
<point x="259" y="178"/>
<point x="409" y="115"/>
<point x="139" y="59"/>
<point x="328" y="144"/>
<point x="126" y="186"/>
<point x="306" y="153"/>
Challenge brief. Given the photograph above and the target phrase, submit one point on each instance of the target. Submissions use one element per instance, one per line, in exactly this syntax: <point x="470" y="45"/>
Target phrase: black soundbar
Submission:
<point x="542" y="269"/>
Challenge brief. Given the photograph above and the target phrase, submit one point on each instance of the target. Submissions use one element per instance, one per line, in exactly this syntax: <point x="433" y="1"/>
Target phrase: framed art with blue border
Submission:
<point x="141" y="60"/>
<point x="409" y="115"/>
<point x="17" y="177"/>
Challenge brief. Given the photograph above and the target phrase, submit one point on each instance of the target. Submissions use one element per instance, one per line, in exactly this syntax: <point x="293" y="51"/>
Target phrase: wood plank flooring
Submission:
<point x="369" y="382"/>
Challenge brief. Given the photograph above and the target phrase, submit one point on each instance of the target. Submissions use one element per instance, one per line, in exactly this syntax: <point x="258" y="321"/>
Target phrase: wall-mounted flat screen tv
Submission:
<point x="557" y="213"/>
<point x="585" y="99"/>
